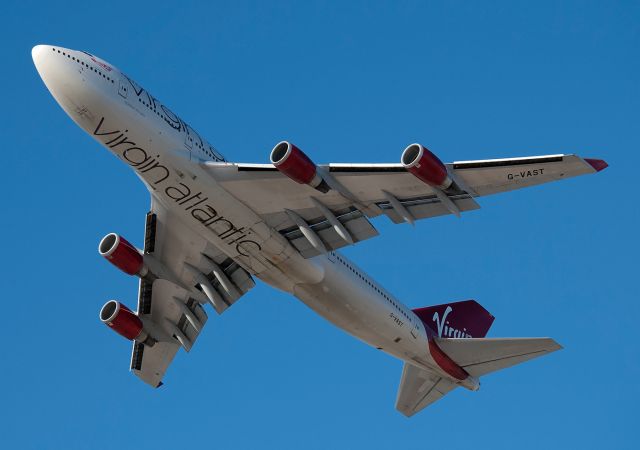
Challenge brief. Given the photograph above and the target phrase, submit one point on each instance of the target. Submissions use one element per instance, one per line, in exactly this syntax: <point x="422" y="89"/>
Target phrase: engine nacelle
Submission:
<point x="123" y="321"/>
<point x="119" y="252"/>
<point x="295" y="164"/>
<point x="426" y="166"/>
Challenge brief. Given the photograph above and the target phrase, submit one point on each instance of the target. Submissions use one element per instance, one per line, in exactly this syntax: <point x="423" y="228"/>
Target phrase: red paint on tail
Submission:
<point x="446" y="363"/>
<point x="456" y="320"/>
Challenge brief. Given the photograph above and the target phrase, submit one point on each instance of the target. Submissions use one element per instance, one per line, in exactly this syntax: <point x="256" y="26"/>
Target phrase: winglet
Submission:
<point x="598" y="164"/>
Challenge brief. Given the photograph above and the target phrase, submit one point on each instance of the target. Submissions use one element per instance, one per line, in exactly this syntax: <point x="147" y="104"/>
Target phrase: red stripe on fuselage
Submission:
<point x="447" y="364"/>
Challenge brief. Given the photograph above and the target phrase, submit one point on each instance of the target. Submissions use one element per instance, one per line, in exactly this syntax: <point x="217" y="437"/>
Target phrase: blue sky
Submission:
<point x="352" y="82"/>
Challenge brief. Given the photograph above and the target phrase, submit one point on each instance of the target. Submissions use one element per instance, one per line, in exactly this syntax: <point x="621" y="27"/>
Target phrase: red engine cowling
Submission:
<point x="119" y="252"/>
<point x="292" y="162"/>
<point x="122" y="320"/>
<point x="426" y="166"/>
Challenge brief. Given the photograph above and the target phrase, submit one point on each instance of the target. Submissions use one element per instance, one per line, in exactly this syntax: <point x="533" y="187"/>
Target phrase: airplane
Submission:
<point x="215" y="225"/>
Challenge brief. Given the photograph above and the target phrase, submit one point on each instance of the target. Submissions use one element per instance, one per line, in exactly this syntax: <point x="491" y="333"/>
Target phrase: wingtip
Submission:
<point x="555" y="346"/>
<point x="597" y="164"/>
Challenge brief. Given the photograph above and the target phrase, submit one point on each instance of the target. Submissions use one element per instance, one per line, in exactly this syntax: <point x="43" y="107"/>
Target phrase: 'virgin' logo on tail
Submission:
<point x="444" y="330"/>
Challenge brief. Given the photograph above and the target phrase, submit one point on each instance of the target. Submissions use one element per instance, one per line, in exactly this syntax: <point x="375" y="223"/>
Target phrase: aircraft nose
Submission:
<point x="37" y="54"/>
<point x="61" y="72"/>
<point x="80" y="83"/>
<point x="47" y="65"/>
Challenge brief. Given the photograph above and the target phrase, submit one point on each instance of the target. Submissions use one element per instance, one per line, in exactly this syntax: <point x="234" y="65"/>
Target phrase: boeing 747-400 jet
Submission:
<point x="215" y="225"/>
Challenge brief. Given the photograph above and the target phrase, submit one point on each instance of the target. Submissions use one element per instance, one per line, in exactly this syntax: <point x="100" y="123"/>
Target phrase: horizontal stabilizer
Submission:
<point x="419" y="388"/>
<point x="482" y="356"/>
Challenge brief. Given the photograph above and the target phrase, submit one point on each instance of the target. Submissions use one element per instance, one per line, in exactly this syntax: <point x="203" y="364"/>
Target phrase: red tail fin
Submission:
<point x="459" y="319"/>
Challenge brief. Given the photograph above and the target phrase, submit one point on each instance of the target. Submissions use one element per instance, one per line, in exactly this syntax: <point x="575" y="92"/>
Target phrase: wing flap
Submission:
<point x="356" y="224"/>
<point x="427" y="207"/>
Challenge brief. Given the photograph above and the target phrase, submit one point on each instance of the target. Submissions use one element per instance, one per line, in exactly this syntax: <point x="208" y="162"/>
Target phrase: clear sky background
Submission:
<point x="348" y="82"/>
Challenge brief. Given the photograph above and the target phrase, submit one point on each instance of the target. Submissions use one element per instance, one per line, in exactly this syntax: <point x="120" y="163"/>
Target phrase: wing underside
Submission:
<point x="188" y="272"/>
<point x="370" y="190"/>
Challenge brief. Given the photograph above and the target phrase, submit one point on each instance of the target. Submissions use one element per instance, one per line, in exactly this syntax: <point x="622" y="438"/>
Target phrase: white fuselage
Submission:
<point x="167" y="154"/>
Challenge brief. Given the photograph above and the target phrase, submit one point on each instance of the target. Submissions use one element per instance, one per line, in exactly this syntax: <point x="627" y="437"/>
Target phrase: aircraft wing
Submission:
<point x="364" y="191"/>
<point x="176" y="320"/>
<point x="419" y="388"/>
<point x="188" y="272"/>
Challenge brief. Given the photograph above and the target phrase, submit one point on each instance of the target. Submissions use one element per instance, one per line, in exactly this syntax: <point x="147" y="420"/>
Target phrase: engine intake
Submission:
<point x="119" y="252"/>
<point x="426" y="166"/>
<point x="295" y="164"/>
<point x="122" y="320"/>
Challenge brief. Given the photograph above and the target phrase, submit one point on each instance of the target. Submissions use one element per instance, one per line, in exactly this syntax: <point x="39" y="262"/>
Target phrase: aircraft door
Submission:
<point x="188" y="139"/>
<point x="415" y="329"/>
<point x="123" y="87"/>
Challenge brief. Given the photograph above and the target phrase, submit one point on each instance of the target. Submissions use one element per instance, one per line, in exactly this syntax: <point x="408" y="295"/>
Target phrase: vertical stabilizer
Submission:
<point x="464" y="319"/>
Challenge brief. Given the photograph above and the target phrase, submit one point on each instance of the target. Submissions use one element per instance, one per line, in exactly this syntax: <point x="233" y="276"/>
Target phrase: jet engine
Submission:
<point x="295" y="164"/>
<point x="124" y="322"/>
<point x="119" y="252"/>
<point x="426" y="166"/>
